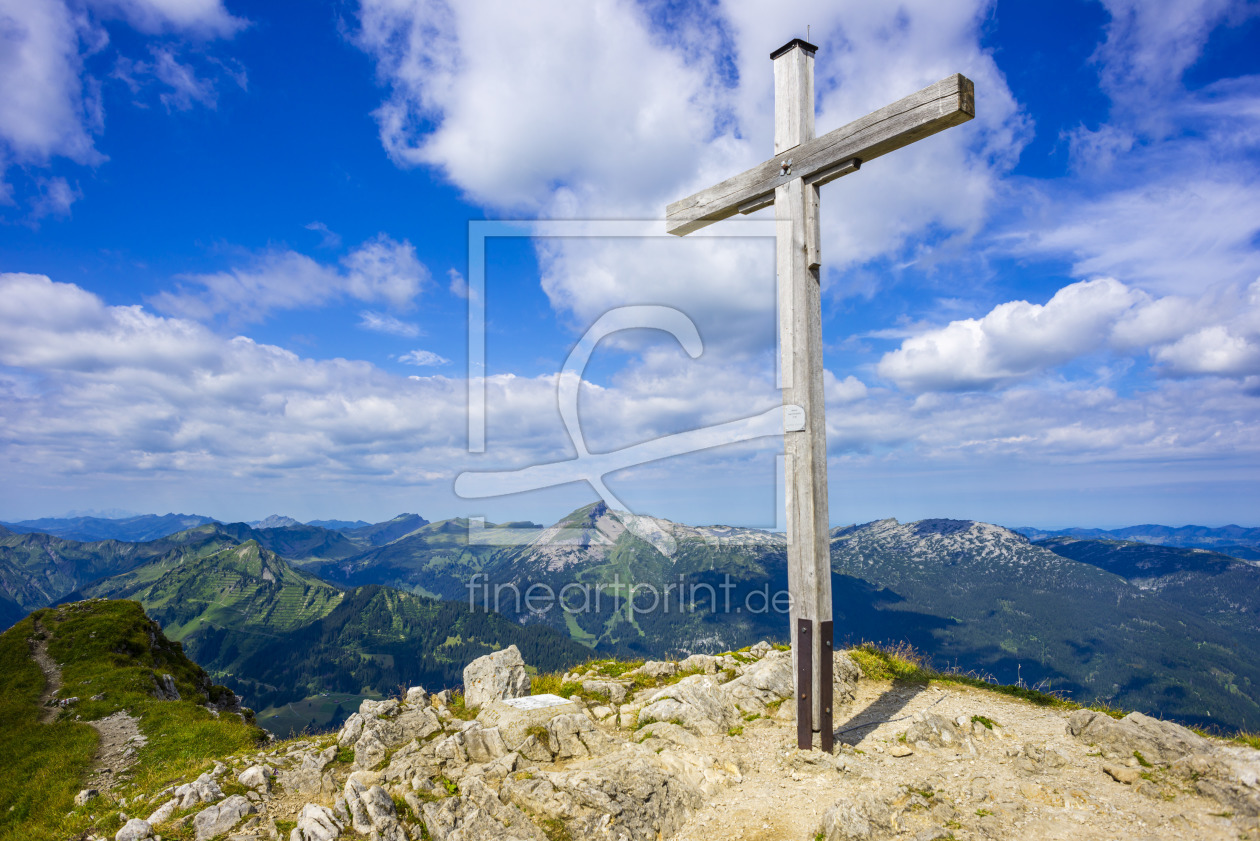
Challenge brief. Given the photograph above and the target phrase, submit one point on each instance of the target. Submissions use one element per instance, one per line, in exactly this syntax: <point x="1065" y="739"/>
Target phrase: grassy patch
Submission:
<point x="737" y="730"/>
<point x="1137" y="754"/>
<point x="109" y="647"/>
<point x="984" y="721"/>
<point x="554" y="829"/>
<point x="903" y="664"/>
<point x="461" y="710"/>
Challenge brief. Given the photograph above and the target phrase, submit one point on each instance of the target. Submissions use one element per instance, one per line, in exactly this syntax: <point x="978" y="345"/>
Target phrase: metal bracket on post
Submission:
<point x="804" y="683"/>
<point x="826" y="736"/>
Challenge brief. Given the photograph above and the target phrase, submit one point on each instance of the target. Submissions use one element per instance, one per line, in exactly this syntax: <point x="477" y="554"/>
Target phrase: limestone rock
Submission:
<point x="857" y="819"/>
<point x="671" y="733"/>
<point x="477" y="815"/>
<point x="350" y="731"/>
<point x="647" y="795"/>
<point x="204" y="789"/>
<point x="257" y="777"/>
<point x="494" y="677"/>
<point x="372" y="812"/>
<point x="219" y="818"/>
<point x="696" y="703"/>
<point x="938" y="732"/>
<point x="134" y="830"/>
<point x="416" y="696"/>
<point x="612" y="690"/>
<point x="380" y="709"/>
<point x="484" y="744"/>
<point x="574" y="735"/>
<point x="845" y="674"/>
<point x="316" y="823"/>
<point x="656" y="668"/>
<point x="767" y="680"/>
<point x="514" y="723"/>
<point x="706" y="663"/>
<point x="85" y="795"/>
<point x="1122" y="774"/>
<point x="1159" y="742"/>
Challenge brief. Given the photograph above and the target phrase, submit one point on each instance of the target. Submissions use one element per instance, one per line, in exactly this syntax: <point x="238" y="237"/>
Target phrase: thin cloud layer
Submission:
<point x="381" y="269"/>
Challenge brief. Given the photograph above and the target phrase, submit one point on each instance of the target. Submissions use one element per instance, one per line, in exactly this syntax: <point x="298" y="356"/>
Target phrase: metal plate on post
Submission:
<point x="825" y="687"/>
<point x="804" y="683"/>
<point x="793" y="418"/>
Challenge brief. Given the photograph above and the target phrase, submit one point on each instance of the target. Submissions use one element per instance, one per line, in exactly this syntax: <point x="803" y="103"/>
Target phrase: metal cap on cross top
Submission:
<point x="790" y="181"/>
<point x="795" y="42"/>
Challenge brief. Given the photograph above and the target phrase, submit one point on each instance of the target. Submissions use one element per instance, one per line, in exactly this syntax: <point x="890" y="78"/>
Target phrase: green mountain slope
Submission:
<point x="110" y="655"/>
<point x="37" y="569"/>
<point x="1020" y="612"/>
<point x="279" y="635"/>
<point x="1217" y="587"/>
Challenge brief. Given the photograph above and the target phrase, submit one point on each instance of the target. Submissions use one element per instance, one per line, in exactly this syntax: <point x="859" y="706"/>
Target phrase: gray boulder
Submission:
<point x="763" y="682"/>
<point x="706" y="663"/>
<point x="219" y="818"/>
<point x="134" y="830"/>
<point x="477" y="815"/>
<point x="1159" y="742"/>
<point x="316" y="823"/>
<point x="612" y="690"/>
<point x="696" y="703"/>
<point x="855" y="819"/>
<point x="85" y="795"/>
<point x="573" y="735"/>
<point x="257" y="777"/>
<point x="937" y="732"/>
<point x="204" y="789"/>
<point x="494" y="677"/>
<point x="631" y="795"/>
<point x="845" y="675"/>
<point x="484" y="744"/>
<point x="372" y="812"/>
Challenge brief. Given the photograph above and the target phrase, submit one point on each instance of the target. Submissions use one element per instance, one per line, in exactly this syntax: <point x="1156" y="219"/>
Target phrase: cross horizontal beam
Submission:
<point x="935" y="108"/>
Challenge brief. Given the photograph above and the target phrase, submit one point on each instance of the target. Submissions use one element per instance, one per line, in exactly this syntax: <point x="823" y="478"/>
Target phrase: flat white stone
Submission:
<point x="535" y="702"/>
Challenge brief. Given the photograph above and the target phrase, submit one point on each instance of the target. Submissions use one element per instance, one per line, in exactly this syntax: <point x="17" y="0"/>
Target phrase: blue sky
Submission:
<point x="234" y="256"/>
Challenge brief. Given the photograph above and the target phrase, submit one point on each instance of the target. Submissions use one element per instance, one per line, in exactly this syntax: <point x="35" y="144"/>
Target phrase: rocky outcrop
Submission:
<point x="316" y="823"/>
<point x="218" y="819"/>
<point x="1158" y="742"/>
<point x="372" y="812"/>
<point x="495" y="677"/>
<point x="134" y="830"/>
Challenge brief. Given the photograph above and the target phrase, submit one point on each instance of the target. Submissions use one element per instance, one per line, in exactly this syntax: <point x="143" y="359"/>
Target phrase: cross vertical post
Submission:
<point x="790" y="181"/>
<point x="800" y="344"/>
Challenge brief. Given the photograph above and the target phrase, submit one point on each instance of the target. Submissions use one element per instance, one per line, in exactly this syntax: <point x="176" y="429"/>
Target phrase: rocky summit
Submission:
<point x="705" y="748"/>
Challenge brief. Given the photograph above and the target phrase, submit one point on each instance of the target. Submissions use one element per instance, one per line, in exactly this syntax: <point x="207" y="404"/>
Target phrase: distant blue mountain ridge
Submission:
<point x="141" y="528"/>
<point x="1236" y="541"/>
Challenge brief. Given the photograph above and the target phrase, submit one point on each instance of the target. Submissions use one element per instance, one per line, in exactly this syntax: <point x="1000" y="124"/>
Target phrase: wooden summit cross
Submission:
<point x="790" y="181"/>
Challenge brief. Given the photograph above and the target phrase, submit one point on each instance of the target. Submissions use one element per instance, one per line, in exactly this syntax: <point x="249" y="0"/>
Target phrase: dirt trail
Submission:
<point x="120" y="732"/>
<point x="52" y="674"/>
<point x="985" y="795"/>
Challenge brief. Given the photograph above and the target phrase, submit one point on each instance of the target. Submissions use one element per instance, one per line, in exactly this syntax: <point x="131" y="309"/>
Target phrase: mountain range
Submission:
<point x="287" y="613"/>
<point x="1236" y="541"/>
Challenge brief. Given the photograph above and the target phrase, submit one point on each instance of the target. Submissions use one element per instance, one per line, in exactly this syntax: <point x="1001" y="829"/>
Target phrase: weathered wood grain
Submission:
<point x="949" y="102"/>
